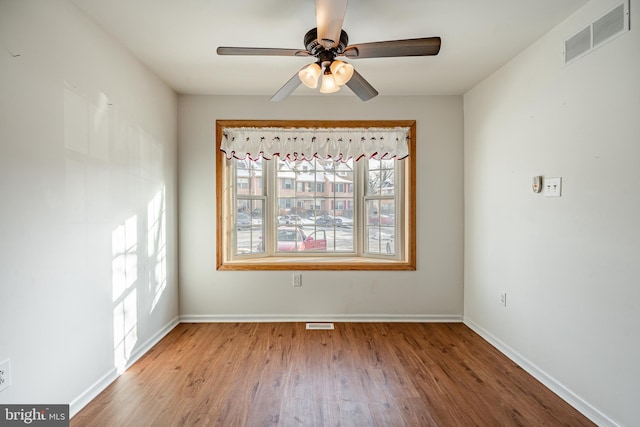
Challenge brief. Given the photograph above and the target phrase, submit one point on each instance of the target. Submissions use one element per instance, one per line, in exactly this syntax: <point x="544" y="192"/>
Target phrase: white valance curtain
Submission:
<point x="339" y="144"/>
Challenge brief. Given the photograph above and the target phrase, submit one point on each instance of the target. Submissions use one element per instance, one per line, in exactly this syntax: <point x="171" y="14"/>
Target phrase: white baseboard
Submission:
<point x="241" y="318"/>
<point x="98" y="387"/>
<point x="92" y="392"/>
<point x="551" y="383"/>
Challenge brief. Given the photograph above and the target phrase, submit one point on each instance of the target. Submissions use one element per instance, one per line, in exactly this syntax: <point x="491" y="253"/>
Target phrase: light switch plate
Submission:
<point x="552" y="187"/>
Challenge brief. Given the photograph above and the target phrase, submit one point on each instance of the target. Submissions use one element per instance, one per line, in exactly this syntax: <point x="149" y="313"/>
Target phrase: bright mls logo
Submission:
<point x="34" y="415"/>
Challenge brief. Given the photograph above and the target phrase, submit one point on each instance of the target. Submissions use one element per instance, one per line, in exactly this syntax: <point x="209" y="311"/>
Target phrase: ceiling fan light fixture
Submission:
<point x="329" y="84"/>
<point x="342" y="71"/>
<point x="326" y="42"/>
<point x="309" y="75"/>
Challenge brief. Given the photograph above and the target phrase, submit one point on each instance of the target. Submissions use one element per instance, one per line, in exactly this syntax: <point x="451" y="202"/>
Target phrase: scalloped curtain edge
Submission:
<point x="294" y="144"/>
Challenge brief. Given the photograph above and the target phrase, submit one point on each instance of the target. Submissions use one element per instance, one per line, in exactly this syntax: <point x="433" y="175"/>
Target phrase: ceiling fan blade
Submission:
<point x="393" y="48"/>
<point x="287" y="89"/>
<point x="265" y="51"/>
<point x="329" y="19"/>
<point x="361" y="87"/>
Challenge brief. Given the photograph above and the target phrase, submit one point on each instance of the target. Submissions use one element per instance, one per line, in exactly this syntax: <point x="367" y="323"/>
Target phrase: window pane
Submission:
<point x="243" y="185"/>
<point x="249" y="226"/>
<point x="380" y="226"/>
<point x="249" y="177"/>
<point x="381" y="177"/>
<point x="374" y="182"/>
<point x="387" y="164"/>
<point x="381" y="240"/>
<point x="339" y="238"/>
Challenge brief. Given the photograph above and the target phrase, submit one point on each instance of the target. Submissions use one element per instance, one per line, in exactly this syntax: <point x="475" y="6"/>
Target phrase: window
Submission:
<point x="315" y="212"/>
<point x="243" y="183"/>
<point x="287" y="183"/>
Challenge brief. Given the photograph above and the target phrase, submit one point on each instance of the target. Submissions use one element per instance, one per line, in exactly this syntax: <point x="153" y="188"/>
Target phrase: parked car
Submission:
<point x="382" y="219"/>
<point x="292" y="239"/>
<point x="289" y="220"/>
<point x="243" y="220"/>
<point x="328" y="220"/>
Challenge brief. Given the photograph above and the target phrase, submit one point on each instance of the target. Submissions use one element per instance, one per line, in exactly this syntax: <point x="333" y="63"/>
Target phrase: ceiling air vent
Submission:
<point x="577" y="45"/>
<point x="598" y="33"/>
<point x="608" y="26"/>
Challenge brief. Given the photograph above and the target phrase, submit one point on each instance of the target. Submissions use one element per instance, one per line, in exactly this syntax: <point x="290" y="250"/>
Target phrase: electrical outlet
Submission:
<point x="5" y="374"/>
<point x="297" y="280"/>
<point x="503" y="299"/>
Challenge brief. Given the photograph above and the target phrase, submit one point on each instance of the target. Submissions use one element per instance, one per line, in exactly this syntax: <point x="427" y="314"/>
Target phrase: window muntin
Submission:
<point x="383" y="243"/>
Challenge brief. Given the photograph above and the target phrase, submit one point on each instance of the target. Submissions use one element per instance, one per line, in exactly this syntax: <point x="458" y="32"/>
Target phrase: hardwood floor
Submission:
<point x="360" y="374"/>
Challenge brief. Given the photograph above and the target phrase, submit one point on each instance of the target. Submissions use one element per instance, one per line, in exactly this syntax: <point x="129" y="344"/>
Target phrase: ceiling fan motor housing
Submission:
<point x="313" y="45"/>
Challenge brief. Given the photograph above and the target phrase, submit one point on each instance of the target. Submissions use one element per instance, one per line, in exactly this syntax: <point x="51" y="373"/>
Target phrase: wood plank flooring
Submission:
<point x="360" y="374"/>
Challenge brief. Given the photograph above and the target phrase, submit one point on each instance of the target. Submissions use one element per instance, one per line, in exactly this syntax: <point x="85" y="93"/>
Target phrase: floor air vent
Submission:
<point x="324" y="326"/>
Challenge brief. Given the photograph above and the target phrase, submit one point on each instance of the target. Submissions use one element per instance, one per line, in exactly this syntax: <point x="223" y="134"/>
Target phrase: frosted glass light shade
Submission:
<point x="309" y="75"/>
<point x="328" y="84"/>
<point x="341" y="71"/>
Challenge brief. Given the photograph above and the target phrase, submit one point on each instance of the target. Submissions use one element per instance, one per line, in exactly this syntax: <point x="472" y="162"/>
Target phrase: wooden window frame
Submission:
<point x="321" y="263"/>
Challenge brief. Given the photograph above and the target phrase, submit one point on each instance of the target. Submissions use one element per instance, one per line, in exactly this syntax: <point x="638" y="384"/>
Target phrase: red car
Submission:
<point x="292" y="239"/>
<point x="382" y="219"/>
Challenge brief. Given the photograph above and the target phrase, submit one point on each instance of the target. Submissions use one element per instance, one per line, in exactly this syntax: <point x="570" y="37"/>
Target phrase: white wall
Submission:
<point x="435" y="289"/>
<point x="87" y="171"/>
<point x="571" y="265"/>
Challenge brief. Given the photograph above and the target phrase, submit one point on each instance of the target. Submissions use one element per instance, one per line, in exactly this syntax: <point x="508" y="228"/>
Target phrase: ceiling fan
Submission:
<point x="328" y="41"/>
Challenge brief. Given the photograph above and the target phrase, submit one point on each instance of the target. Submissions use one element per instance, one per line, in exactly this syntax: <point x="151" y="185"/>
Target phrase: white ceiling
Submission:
<point x="177" y="39"/>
